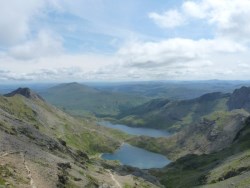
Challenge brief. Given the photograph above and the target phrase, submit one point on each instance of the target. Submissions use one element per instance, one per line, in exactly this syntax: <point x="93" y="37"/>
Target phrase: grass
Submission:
<point x="81" y="135"/>
<point x="4" y="173"/>
<point x="16" y="106"/>
<point x="173" y="116"/>
<point x="197" y="170"/>
<point x="217" y="131"/>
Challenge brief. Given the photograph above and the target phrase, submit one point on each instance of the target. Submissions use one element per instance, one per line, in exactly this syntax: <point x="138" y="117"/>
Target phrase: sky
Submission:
<point x="132" y="40"/>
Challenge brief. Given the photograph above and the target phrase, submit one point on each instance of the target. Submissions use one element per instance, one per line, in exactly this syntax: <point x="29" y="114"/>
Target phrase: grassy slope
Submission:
<point x="49" y="137"/>
<point x="164" y="114"/>
<point x="214" y="132"/>
<point x="83" y="135"/>
<point x="228" y="167"/>
<point x="80" y="100"/>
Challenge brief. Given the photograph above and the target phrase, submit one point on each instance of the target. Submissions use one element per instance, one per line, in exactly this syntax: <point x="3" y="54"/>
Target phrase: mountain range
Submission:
<point x="43" y="146"/>
<point x="82" y="100"/>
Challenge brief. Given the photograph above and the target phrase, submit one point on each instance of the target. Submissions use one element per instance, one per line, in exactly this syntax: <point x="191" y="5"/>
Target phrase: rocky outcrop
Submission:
<point x="240" y="99"/>
<point x="26" y="92"/>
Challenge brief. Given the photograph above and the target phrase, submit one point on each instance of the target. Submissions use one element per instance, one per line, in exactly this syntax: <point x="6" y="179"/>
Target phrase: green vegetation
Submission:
<point x="218" y="167"/>
<point x="60" y="150"/>
<point x="173" y="116"/>
<point x="15" y="105"/>
<point x="93" y="143"/>
<point x="80" y="100"/>
<point x="211" y="147"/>
<point x="81" y="135"/>
<point x="4" y="173"/>
<point x="214" y="132"/>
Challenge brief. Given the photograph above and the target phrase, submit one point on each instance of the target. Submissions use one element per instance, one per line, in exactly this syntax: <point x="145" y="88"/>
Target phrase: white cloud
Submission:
<point x="172" y="51"/>
<point x="168" y="19"/>
<point x="230" y="17"/>
<point x="46" y="44"/>
<point x="185" y="59"/>
<point x="38" y="54"/>
<point x="60" y="68"/>
<point x="15" y="17"/>
<point x="193" y="9"/>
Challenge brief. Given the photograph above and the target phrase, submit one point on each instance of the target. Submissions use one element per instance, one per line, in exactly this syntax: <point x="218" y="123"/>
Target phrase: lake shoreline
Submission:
<point x="136" y="131"/>
<point x="134" y="156"/>
<point x="137" y="157"/>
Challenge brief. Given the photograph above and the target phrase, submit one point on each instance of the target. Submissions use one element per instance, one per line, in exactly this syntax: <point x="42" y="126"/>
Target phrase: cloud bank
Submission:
<point x="36" y="45"/>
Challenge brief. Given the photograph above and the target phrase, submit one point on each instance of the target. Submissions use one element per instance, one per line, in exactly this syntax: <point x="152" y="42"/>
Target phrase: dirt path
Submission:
<point x="32" y="184"/>
<point x="115" y="180"/>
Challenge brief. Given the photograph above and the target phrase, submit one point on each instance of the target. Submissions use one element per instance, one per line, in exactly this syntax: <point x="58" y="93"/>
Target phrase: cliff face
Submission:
<point x="240" y="99"/>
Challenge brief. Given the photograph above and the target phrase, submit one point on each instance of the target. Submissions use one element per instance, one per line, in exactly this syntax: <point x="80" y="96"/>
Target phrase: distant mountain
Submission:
<point x="174" y="115"/>
<point x="174" y="90"/>
<point x="78" y="99"/>
<point x="41" y="146"/>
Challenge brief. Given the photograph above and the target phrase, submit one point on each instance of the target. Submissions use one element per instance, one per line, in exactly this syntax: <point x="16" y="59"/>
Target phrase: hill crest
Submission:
<point x="26" y="92"/>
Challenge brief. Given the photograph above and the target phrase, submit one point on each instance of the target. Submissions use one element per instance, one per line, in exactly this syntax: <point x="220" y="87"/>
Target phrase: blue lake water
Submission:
<point x="136" y="131"/>
<point x="137" y="157"/>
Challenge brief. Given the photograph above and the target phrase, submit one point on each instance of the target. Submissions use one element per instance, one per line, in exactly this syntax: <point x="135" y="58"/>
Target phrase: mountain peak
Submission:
<point x="72" y="86"/>
<point x="73" y="83"/>
<point x="240" y="99"/>
<point x="26" y="92"/>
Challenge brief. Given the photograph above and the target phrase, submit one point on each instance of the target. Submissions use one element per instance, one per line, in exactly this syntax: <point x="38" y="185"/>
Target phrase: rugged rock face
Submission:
<point x="26" y="92"/>
<point x="240" y="99"/>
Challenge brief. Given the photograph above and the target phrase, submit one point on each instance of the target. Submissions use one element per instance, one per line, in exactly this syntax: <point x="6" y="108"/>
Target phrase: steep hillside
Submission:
<point x="211" y="152"/>
<point x="213" y="133"/>
<point x="41" y="146"/>
<point x="173" y="115"/>
<point x="78" y="99"/>
<point x="229" y="167"/>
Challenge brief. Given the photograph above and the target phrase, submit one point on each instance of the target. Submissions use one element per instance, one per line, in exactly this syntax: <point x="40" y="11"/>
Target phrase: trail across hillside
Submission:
<point x="32" y="184"/>
<point x="115" y="180"/>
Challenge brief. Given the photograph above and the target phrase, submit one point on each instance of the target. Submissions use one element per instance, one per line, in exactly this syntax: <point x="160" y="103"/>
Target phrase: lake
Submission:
<point x="137" y="157"/>
<point x="136" y="131"/>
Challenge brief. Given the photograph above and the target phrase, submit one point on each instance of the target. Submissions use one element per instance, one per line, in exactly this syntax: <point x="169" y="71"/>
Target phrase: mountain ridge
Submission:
<point x="44" y="147"/>
<point x="81" y="100"/>
<point x="173" y="115"/>
<point x="26" y="92"/>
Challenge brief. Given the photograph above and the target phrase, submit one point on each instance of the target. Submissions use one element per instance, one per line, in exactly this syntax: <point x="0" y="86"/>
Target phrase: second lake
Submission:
<point x="136" y="131"/>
